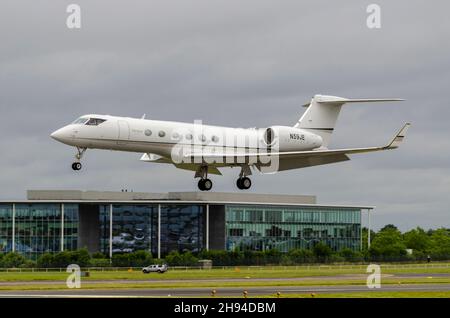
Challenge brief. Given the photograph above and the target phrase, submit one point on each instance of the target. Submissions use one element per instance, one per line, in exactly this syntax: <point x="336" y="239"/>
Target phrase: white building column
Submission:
<point x="368" y="232"/>
<point x="13" y="248"/>
<point x="110" y="230"/>
<point x="62" y="227"/>
<point x="207" y="227"/>
<point x="159" y="231"/>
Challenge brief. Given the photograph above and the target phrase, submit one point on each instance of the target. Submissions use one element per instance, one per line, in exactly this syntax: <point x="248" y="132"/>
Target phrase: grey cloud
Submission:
<point x="232" y="63"/>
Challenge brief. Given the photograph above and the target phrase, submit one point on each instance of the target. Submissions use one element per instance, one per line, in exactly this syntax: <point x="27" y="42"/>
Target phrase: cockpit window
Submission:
<point x="80" y="121"/>
<point x="95" y="121"/>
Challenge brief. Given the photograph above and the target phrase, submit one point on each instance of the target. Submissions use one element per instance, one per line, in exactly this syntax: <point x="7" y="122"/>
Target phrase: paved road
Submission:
<point x="152" y="280"/>
<point x="225" y="291"/>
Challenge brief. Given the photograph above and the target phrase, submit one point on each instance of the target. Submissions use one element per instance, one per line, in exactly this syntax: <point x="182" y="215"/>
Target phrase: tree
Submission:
<point x="12" y="260"/>
<point x="417" y="240"/>
<point x="350" y="255"/>
<point x="388" y="244"/>
<point x="389" y="227"/>
<point x="46" y="260"/>
<point x="440" y="243"/>
<point x="299" y="256"/>
<point x="322" y="252"/>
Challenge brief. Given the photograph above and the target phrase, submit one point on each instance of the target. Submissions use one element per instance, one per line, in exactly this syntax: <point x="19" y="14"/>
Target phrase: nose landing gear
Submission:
<point x="76" y="166"/>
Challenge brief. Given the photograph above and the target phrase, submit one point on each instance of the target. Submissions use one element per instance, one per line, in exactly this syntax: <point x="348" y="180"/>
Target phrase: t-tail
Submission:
<point x="321" y="115"/>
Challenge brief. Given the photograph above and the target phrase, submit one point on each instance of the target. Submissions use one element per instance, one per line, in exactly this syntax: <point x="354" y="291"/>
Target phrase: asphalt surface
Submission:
<point x="151" y="279"/>
<point x="220" y="292"/>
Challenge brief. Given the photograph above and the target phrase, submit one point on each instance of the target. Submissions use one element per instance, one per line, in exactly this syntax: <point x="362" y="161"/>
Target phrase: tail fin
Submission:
<point x="321" y="115"/>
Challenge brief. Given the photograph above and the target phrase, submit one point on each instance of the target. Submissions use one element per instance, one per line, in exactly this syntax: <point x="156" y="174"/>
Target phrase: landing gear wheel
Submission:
<point x="205" y="184"/>
<point x="244" y="183"/>
<point x="76" y="166"/>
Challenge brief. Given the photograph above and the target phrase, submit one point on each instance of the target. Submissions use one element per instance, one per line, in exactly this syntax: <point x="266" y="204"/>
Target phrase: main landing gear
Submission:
<point x="76" y="166"/>
<point x="204" y="184"/>
<point x="244" y="182"/>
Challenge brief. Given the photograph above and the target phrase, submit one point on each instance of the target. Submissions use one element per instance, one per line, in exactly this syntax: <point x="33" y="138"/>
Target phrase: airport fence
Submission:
<point x="312" y="267"/>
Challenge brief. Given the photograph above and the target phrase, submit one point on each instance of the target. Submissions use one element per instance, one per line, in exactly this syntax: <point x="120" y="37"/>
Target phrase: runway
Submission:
<point x="220" y="292"/>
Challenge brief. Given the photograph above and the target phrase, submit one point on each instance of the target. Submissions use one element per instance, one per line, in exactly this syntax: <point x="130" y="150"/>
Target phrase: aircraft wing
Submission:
<point x="299" y="159"/>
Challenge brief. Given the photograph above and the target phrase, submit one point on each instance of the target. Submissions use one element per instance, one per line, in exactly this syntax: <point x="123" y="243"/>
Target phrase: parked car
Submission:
<point x="155" y="269"/>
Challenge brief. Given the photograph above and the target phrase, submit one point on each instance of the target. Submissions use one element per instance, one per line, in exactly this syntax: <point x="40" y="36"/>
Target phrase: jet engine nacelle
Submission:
<point x="285" y="138"/>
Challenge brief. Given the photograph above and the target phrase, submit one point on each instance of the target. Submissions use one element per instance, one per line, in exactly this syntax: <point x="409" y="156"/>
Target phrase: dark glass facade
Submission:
<point x="71" y="225"/>
<point x="6" y="227"/>
<point x="37" y="228"/>
<point x="164" y="227"/>
<point x="182" y="228"/>
<point x="285" y="228"/>
<point x="133" y="228"/>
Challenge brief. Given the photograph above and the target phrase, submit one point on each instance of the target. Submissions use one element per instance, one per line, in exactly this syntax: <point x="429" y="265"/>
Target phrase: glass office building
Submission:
<point x="177" y="222"/>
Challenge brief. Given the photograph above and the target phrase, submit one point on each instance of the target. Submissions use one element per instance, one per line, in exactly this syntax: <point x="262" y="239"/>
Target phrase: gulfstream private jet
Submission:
<point x="204" y="148"/>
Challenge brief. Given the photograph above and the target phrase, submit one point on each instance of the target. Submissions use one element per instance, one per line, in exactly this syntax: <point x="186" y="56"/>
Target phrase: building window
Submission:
<point x="273" y="216"/>
<point x="236" y="232"/>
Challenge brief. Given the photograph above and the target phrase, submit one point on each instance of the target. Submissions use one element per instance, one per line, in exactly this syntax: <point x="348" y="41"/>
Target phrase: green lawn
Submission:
<point x="241" y="273"/>
<point x="217" y="278"/>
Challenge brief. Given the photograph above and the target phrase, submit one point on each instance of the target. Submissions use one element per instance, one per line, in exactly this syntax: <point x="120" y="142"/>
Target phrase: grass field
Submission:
<point x="236" y="273"/>
<point x="242" y="277"/>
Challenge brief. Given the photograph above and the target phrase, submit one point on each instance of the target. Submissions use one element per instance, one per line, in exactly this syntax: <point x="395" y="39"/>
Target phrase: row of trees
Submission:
<point x="388" y="244"/>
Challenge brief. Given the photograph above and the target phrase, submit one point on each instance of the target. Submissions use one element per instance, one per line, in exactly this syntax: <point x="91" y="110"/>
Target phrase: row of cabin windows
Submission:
<point x="177" y="136"/>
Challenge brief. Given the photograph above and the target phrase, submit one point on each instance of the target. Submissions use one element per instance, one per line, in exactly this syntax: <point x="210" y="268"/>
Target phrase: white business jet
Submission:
<point x="204" y="149"/>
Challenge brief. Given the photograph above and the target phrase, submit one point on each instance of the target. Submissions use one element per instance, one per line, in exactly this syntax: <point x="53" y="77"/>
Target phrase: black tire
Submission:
<point x="145" y="272"/>
<point x="76" y="166"/>
<point x="207" y="184"/>
<point x="246" y="183"/>
<point x="239" y="183"/>
<point x="201" y="185"/>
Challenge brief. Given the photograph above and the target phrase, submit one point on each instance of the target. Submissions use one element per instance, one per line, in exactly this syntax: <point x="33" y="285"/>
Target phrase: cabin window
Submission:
<point x="161" y="134"/>
<point x="95" y="121"/>
<point x="202" y="138"/>
<point x="215" y="139"/>
<point x="148" y="132"/>
<point x="176" y="136"/>
<point x="189" y="136"/>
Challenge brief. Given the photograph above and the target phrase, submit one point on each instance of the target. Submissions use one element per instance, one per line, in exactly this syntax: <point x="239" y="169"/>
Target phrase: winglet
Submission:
<point x="396" y="141"/>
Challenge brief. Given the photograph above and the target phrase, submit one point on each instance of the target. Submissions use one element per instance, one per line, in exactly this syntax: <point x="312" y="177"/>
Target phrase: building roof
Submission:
<point x="79" y="196"/>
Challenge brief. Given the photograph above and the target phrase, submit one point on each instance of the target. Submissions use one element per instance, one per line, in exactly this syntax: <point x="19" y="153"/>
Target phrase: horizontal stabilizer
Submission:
<point x="325" y="99"/>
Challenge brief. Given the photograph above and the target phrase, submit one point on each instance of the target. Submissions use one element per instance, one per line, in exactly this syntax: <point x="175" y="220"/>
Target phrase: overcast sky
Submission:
<point x="234" y="63"/>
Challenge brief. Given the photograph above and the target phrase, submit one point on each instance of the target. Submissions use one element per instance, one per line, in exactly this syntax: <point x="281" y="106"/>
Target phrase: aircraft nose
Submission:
<point x="59" y="134"/>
